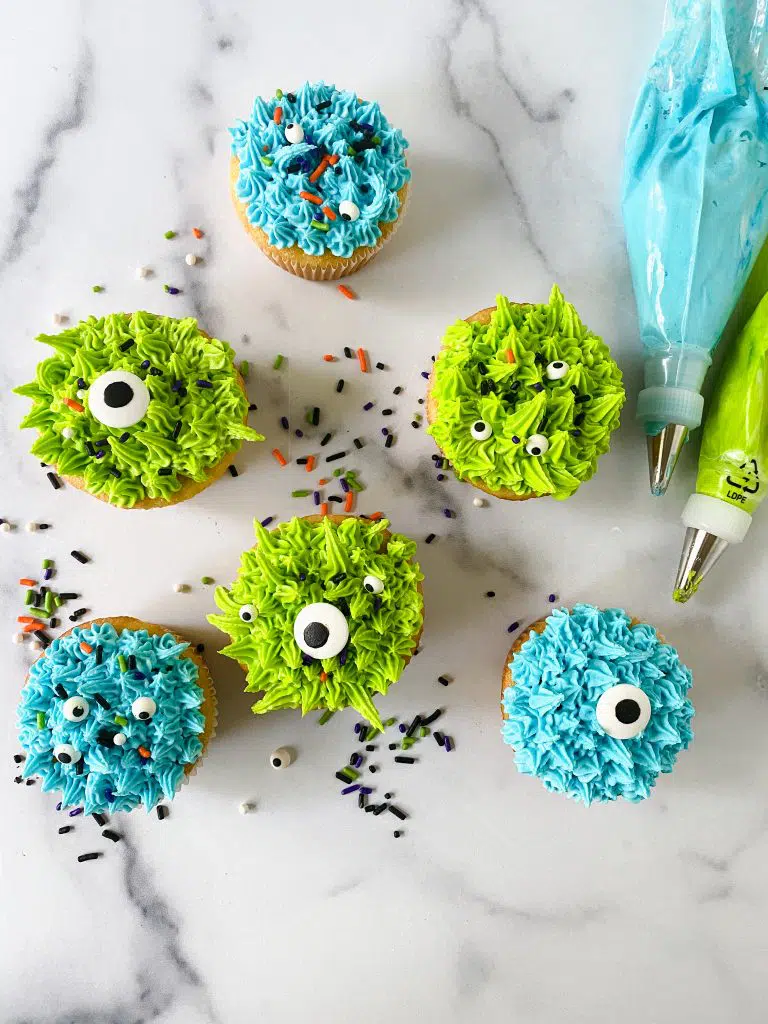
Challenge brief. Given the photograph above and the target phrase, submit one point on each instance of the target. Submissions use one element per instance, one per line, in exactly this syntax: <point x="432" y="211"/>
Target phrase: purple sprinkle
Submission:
<point x="538" y="387"/>
<point x="284" y="422"/>
<point x="343" y="657"/>
<point x="377" y="604"/>
<point x="109" y="796"/>
<point x="75" y="811"/>
<point x="366" y="790"/>
<point x="100" y="454"/>
<point x="448" y="513"/>
<point x="552" y="598"/>
<point x="385" y="431"/>
<point x="171" y="290"/>
<point x="306" y="659"/>
<point x="58" y="806"/>
<point x="123" y="437"/>
<point x="402" y="727"/>
<point x="368" y="406"/>
<point x="576" y="433"/>
<point x="515" y="439"/>
<point x="145" y="365"/>
<point x="448" y="743"/>
<point x="177" y="385"/>
<point x="440" y="477"/>
<point x="316" y="497"/>
<point x="267" y="521"/>
<point x="350" y="789"/>
<point x="513" y="626"/>
<point x="203" y="383"/>
<point x="358" y="727"/>
<point x="344" y="485"/>
<point x="357" y="760"/>
<point x="47" y="574"/>
<point x="425" y="375"/>
<point x="299" y="433"/>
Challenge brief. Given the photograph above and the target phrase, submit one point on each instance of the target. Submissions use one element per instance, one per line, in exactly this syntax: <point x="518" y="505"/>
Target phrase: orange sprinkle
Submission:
<point x="333" y="159"/>
<point x="510" y="356"/>
<point x="324" y="509"/>
<point x="144" y="752"/>
<point x="323" y="482"/>
<point x="375" y="515"/>
<point x="265" y="149"/>
<point x="347" y="292"/>
<point x="86" y="648"/>
<point x="319" y="170"/>
<point x="362" y="358"/>
<point x="33" y="626"/>
<point x="329" y="213"/>
<point x="26" y="582"/>
<point x="278" y="115"/>
<point x="310" y="463"/>
<point x="26" y="618"/>
<point x="349" y="501"/>
<point x="329" y="358"/>
<point x="74" y="405"/>
<point x="311" y="198"/>
<point x="323" y="676"/>
<point x="279" y="456"/>
<point x="197" y="232"/>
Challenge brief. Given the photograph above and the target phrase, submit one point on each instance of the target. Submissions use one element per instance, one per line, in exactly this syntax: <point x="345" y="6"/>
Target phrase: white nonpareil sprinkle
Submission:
<point x="6" y="527"/>
<point x="143" y="272"/>
<point x="67" y="433"/>
<point x="245" y="807"/>
<point x="191" y="259"/>
<point x="479" y="502"/>
<point x="31" y="527"/>
<point x="59" y="319"/>
<point x="36" y="645"/>
<point x="18" y="638"/>
<point x="181" y="588"/>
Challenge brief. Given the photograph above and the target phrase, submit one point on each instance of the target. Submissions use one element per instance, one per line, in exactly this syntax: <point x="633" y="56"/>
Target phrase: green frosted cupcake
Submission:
<point x="523" y="399"/>
<point x="140" y="410"/>
<point x="325" y="613"/>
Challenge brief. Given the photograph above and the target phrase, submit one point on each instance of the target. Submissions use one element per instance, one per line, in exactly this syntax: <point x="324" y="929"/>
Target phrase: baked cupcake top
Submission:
<point x="323" y="614"/>
<point x="599" y="707"/>
<point x="319" y="168"/>
<point x="110" y="719"/>
<point x="527" y="402"/>
<point x="134" y="404"/>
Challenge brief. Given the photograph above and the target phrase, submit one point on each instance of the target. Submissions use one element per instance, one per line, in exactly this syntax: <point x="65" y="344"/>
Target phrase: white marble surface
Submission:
<point x="502" y="901"/>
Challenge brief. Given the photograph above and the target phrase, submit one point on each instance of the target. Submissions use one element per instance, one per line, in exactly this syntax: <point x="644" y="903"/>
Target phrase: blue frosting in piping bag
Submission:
<point x="694" y="194"/>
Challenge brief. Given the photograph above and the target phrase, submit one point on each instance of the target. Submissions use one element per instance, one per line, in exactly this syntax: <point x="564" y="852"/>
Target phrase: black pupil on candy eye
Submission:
<point x="369" y="587"/>
<point x="479" y="426"/>
<point x="64" y="758"/>
<point x="77" y="711"/>
<point x="276" y="762"/>
<point x="557" y="366"/>
<point x="246" y="616"/>
<point x="627" y="711"/>
<point x="144" y="714"/>
<point x="345" y="216"/>
<point x="316" y="635"/>
<point x="118" y="394"/>
<point x="535" y="451"/>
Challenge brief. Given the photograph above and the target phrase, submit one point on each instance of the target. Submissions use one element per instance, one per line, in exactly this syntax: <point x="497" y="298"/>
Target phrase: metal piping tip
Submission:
<point x="700" y="552"/>
<point x="663" y="452"/>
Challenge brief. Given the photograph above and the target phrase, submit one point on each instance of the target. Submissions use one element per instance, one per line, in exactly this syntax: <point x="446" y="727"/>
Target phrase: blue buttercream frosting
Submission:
<point x="108" y="776"/>
<point x="369" y="169"/>
<point x="561" y="674"/>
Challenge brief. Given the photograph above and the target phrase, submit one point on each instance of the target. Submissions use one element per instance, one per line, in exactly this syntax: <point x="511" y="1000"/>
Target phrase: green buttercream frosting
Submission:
<point x="194" y="417"/>
<point x="475" y="380"/>
<point x="303" y="563"/>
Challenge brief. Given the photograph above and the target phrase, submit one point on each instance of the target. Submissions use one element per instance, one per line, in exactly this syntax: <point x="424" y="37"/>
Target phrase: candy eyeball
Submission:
<point x="248" y="612"/>
<point x="537" y="444"/>
<point x="294" y="133"/>
<point x="623" y="711"/>
<point x="321" y="630"/>
<point x="373" y="584"/>
<point x="280" y="758"/>
<point x="348" y="210"/>
<point x="75" y="709"/>
<point x="118" y="398"/>
<point x="119" y="739"/>
<point x="557" y="369"/>
<point x="143" y="708"/>
<point x="481" y="430"/>
<point x="65" y="753"/>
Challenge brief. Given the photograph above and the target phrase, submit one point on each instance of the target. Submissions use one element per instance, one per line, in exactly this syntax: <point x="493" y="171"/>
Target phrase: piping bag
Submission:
<point x="733" y="462"/>
<point x="695" y="206"/>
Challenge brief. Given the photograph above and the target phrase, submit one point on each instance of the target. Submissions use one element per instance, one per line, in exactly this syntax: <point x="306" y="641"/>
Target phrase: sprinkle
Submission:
<point x="207" y="580"/>
<point x="335" y="457"/>
<point x="302" y="493"/>
<point x="387" y="412"/>
<point x="349" y="501"/>
<point x="439" y="738"/>
<point x="415" y="424"/>
<point x="348" y="352"/>
<point x="325" y="717"/>
<point x="279" y="456"/>
<point x="323" y="106"/>
<point x="5" y="526"/>
<point x="362" y="358"/>
<point x="316" y="497"/>
<point x="204" y="384"/>
<point x="76" y="406"/>
<point x="380" y="809"/>
<point x="169" y="235"/>
<point x="75" y="812"/>
<point x="413" y="726"/>
<point x="444" y="680"/>
<point x="397" y="833"/>
<point x="429" y="538"/>
<point x="64" y="829"/>
<point x="324" y="509"/>
<point x="66" y="596"/>
<point x="86" y="648"/>
<point x="479" y="502"/>
<point x="311" y="198"/>
<point x="26" y="582"/>
<point x="375" y="516"/>
<point x="368" y="406"/>
<point x="313" y="417"/>
<point x="123" y="437"/>
<point x="490" y="593"/>
<point x="405" y="760"/>
<point x="433" y="717"/>
<point x="320" y="225"/>
<point x="40" y="719"/>
<point x="510" y="356"/>
<point x="552" y="598"/>
<point x="425" y="375"/>
<point x="126" y="345"/>
<point x="449" y="513"/>
<point x="278" y="362"/>
<point x="80" y="557"/>
<point x="101" y="701"/>
<point x="267" y="521"/>
<point x="328" y="358"/>
<point x="197" y="232"/>
<point x="97" y="288"/>
<point x="329" y="213"/>
<point x="448" y="743"/>
<point x="299" y="433"/>
<point x="142" y="272"/>
<point x="350" y="789"/>
<point x="339" y="386"/>
<point x="162" y="812"/>
<point x="358" y="443"/>
<point x="233" y="471"/>
<point x="245" y="807"/>
<point x="107" y="833"/>
<point x="347" y="775"/>
<point x="346" y="292"/>
<point x="99" y="819"/>
<point x="143" y="752"/>
<point x="278" y="115"/>
<point x="59" y="319"/>
<point x="538" y="387"/>
<point x="55" y="483"/>
<point x="87" y="856"/>
<point x="396" y="810"/>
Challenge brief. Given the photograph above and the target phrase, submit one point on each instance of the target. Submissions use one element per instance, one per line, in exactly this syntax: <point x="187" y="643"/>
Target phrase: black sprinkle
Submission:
<point x="380" y="366"/>
<point x="18" y="758"/>
<point x="88" y="856"/>
<point x="339" y="386"/>
<point x="389" y="441"/>
<point x="397" y="833"/>
<point x="90" y="449"/>
<point x="433" y="717"/>
<point x="44" y="639"/>
<point x="358" y="443"/>
<point x="161" y="811"/>
<point x="64" y="829"/>
<point x="155" y="373"/>
<point x="69" y="597"/>
<point x="291" y="97"/>
<point x="78" y="614"/>
<point x="99" y="652"/>
<point x="388" y="796"/>
<point x="18" y="780"/>
<point x="109" y="834"/>
<point x="393" y="746"/>
<point x="60" y="691"/>
<point x="581" y="399"/>
<point x="335" y="457"/>
<point x="444" y="680"/>
<point x="315" y="417"/>
<point x="405" y="760"/>
<point x="99" y="819"/>
<point x="428" y="539"/>
<point x="413" y="726"/>
<point x="397" y="391"/>
<point x="284" y="422"/>
<point x="386" y="412"/>
<point x="165" y="471"/>
<point x="325" y="440"/>
<point x="131" y="662"/>
<point x="176" y="430"/>
<point x="323" y="106"/>
<point x="115" y="472"/>
<point x="252" y="407"/>
<point x="123" y="437"/>
<point x="54" y="623"/>
<point x="336" y="498"/>
<point x="490" y="593"/>
<point x="342" y="778"/>
<point x="80" y="557"/>
<point x="397" y="812"/>
<point x="415" y="425"/>
<point x="380" y="809"/>
<point x="302" y="461"/>
<point x="31" y="782"/>
<point x="233" y="471"/>
<point x="370" y="807"/>
<point x="348" y="352"/>
<point x="369" y="747"/>
<point x="126" y="345"/>
<point x="372" y="769"/>
<point x="43" y="526"/>
<point x="361" y="800"/>
<point x="54" y="481"/>
<point x="439" y="738"/>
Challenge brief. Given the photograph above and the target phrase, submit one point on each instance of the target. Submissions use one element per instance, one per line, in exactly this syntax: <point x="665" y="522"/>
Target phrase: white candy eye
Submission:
<point x="349" y="210"/>
<point x="248" y="612"/>
<point x="537" y="444"/>
<point x="557" y="369"/>
<point x="75" y="709"/>
<point x="294" y="133"/>
<point x="320" y="630"/>
<point x="623" y="711"/>
<point x="481" y="430"/>
<point x="143" y="708"/>
<point x="118" y="398"/>
<point x="373" y="584"/>
<point x="281" y="757"/>
<point x="65" y="753"/>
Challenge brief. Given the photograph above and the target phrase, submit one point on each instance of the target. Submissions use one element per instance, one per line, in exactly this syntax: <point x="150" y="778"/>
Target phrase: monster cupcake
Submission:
<point x="595" y="704"/>
<point x="523" y="399"/>
<point x="140" y="410"/>
<point x="319" y="179"/>
<point x="325" y="613"/>
<point x="116" y="713"/>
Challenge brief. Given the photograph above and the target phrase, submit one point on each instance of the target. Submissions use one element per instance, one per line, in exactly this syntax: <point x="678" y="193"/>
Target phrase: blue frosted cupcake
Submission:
<point x="115" y="714"/>
<point x="319" y="179"/>
<point x="595" y="704"/>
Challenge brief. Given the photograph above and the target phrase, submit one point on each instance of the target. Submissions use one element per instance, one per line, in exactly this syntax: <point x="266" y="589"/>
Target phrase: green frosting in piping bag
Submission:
<point x="323" y="564"/>
<point x="173" y="391"/>
<point x="559" y="384"/>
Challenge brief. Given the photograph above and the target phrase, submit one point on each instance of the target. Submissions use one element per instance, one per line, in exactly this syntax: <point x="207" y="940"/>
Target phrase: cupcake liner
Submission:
<point x="325" y="267"/>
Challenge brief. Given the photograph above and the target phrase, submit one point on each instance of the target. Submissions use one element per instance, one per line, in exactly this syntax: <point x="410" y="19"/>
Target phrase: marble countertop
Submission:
<point x="501" y="902"/>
